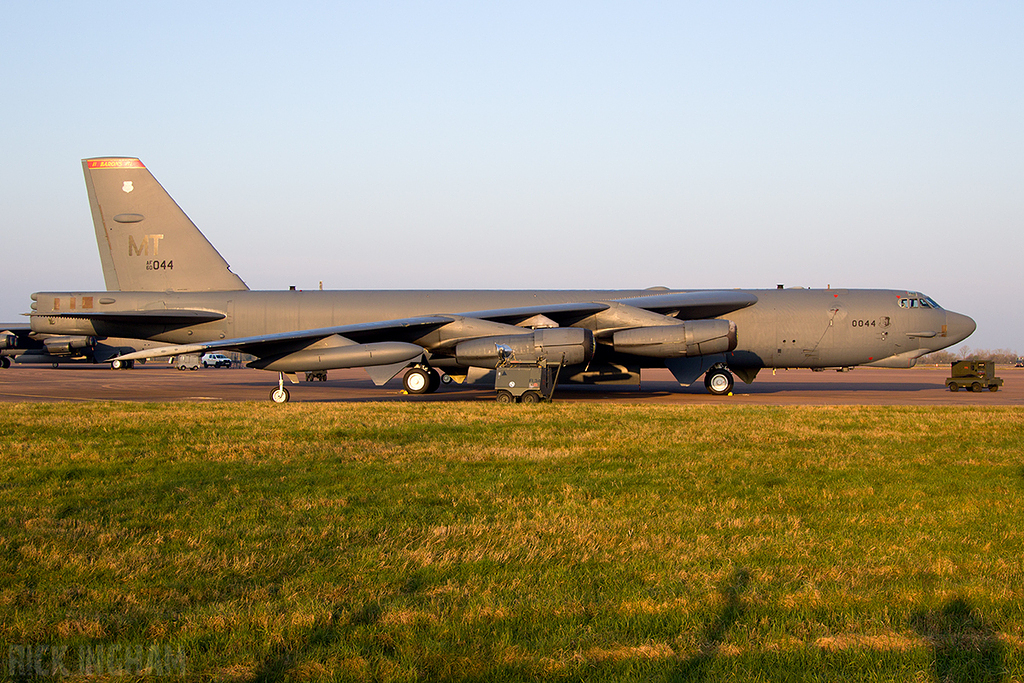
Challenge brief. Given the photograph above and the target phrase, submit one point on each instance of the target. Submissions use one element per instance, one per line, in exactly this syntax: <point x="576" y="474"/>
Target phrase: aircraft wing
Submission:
<point x="265" y="345"/>
<point x="392" y="344"/>
<point x="693" y="305"/>
<point x="683" y="305"/>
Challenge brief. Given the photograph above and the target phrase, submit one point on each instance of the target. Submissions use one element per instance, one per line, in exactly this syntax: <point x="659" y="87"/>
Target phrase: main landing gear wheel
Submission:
<point x="5" y="362"/>
<point x="421" y="380"/>
<point x="416" y="381"/>
<point x="718" y="381"/>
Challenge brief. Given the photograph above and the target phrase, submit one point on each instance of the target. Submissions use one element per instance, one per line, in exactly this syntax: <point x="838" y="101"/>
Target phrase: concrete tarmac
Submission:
<point x="157" y="382"/>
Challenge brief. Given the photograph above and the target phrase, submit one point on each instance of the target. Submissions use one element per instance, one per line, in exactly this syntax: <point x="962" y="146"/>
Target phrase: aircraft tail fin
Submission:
<point x="146" y="241"/>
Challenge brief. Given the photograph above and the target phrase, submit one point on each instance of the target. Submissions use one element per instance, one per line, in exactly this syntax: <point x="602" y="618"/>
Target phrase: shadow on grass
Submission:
<point x="696" y="667"/>
<point x="964" y="647"/>
<point x="282" y="659"/>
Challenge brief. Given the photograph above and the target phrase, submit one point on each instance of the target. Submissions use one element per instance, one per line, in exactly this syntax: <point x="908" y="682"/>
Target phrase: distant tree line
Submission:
<point x="1000" y="356"/>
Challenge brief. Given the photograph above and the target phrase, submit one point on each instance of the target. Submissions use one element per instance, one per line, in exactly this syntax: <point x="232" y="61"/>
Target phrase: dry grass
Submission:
<point x="467" y="541"/>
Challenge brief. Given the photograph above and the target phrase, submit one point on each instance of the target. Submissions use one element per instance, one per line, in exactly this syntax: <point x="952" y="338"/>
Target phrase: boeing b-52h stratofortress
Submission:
<point x="166" y="283"/>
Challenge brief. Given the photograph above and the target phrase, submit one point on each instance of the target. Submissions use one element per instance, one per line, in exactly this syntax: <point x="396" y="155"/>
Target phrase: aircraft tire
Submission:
<point x="416" y="381"/>
<point x="280" y="395"/>
<point x="5" y="362"/>
<point x="435" y="381"/>
<point x="530" y="397"/>
<point x="56" y="365"/>
<point x="446" y="379"/>
<point x="505" y="397"/>
<point x="117" y="364"/>
<point x="718" y="381"/>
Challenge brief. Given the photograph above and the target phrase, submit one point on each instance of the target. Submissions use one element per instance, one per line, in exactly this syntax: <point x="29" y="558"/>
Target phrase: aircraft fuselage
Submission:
<point x="785" y="328"/>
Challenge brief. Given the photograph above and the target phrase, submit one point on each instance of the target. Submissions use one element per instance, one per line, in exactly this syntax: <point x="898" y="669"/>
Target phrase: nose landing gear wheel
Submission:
<point x="718" y="381"/>
<point x="280" y="394"/>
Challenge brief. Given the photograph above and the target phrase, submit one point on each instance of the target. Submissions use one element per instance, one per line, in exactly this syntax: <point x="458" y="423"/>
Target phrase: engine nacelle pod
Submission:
<point x="576" y="345"/>
<point x="67" y="346"/>
<point x="691" y="338"/>
<point x="8" y="341"/>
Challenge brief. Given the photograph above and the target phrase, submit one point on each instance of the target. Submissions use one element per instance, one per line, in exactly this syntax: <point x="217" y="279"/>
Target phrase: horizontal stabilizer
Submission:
<point x="151" y="317"/>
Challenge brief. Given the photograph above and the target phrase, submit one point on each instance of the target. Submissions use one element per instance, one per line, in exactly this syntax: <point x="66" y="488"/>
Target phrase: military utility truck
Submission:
<point x="975" y="375"/>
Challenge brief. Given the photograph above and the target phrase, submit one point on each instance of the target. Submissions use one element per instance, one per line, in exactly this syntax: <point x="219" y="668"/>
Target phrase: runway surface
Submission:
<point x="922" y="386"/>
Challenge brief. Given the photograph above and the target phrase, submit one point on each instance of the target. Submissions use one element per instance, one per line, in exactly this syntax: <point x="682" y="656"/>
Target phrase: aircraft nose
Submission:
<point x="958" y="327"/>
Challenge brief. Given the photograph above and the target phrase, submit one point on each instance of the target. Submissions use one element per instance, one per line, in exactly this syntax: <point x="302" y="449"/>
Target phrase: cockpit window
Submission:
<point x="915" y="302"/>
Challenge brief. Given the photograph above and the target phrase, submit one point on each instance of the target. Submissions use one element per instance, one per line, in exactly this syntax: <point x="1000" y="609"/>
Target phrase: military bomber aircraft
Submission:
<point x="166" y="283"/>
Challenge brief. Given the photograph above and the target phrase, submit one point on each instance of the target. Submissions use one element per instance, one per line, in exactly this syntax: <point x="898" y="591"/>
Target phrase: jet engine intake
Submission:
<point x="575" y="344"/>
<point x="67" y="346"/>
<point x="8" y="341"/>
<point x="690" y="338"/>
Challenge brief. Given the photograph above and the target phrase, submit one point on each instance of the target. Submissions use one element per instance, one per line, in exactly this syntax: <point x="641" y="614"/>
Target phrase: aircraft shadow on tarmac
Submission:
<point x="769" y="387"/>
<point x="314" y="391"/>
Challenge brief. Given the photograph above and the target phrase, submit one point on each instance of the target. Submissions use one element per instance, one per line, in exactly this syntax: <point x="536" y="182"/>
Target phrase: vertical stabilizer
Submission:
<point x="146" y="242"/>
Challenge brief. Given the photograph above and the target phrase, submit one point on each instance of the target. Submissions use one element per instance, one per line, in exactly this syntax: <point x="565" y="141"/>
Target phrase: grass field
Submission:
<point x="478" y="542"/>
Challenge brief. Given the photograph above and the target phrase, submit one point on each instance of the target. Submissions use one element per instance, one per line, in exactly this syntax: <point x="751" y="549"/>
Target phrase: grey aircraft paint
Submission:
<point x="183" y="294"/>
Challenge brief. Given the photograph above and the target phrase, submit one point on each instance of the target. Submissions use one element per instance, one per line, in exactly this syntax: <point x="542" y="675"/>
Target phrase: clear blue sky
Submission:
<point x="522" y="145"/>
